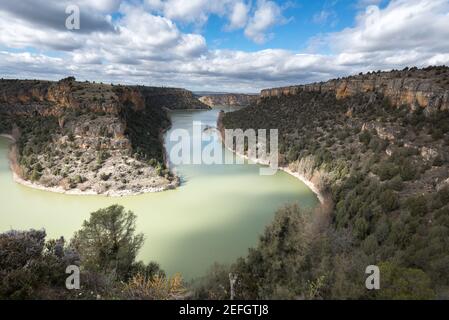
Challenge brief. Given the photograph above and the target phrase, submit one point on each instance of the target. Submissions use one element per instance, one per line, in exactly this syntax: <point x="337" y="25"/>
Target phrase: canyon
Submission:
<point x="90" y="138"/>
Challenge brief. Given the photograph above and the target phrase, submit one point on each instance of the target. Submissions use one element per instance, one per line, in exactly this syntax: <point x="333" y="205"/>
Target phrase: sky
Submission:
<point x="219" y="45"/>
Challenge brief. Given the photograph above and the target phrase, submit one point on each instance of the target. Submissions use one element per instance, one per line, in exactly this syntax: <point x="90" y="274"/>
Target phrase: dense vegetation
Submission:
<point x="105" y="249"/>
<point x="384" y="170"/>
<point x="144" y="129"/>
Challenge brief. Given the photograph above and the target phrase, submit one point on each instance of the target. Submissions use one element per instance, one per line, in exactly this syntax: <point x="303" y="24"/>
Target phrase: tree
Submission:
<point x="107" y="242"/>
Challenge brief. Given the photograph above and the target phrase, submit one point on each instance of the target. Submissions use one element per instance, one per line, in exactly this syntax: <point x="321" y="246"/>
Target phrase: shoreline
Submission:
<point x="8" y="136"/>
<point x="78" y="192"/>
<point x="297" y="175"/>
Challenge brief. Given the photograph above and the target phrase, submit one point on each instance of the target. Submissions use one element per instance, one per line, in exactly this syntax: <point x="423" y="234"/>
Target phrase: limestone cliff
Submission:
<point x="81" y="137"/>
<point x="231" y="100"/>
<point x="426" y="88"/>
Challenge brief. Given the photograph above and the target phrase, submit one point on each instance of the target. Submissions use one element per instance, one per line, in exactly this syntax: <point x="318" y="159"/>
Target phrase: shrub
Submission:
<point x="396" y="183"/>
<point x="155" y="288"/>
<point x="387" y="170"/>
<point x="365" y="137"/>
<point x="389" y="200"/>
<point x="417" y="206"/>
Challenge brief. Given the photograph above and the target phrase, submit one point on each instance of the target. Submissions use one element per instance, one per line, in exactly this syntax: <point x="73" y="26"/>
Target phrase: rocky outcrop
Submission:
<point x="89" y="138"/>
<point x="229" y="100"/>
<point x="427" y="88"/>
<point x="51" y="98"/>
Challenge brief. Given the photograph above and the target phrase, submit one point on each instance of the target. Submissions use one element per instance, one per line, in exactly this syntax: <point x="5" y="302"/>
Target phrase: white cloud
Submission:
<point x="404" y="24"/>
<point x="150" y="49"/>
<point x="267" y="15"/>
<point x="239" y="16"/>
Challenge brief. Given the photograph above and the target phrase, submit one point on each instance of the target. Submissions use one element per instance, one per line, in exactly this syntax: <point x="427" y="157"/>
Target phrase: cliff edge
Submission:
<point x="90" y="138"/>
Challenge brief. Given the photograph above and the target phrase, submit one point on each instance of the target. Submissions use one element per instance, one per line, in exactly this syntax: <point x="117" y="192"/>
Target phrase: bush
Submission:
<point x="365" y="137"/>
<point x="396" y="183"/>
<point x="387" y="170"/>
<point x="155" y="288"/>
<point x="417" y="206"/>
<point x="31" y="268"/>
<point x="389" y="200"/>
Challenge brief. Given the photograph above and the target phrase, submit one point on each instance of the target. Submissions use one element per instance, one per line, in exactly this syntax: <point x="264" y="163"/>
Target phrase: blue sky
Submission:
<point x="303" y="24"/>
<point x="221" y="45"/>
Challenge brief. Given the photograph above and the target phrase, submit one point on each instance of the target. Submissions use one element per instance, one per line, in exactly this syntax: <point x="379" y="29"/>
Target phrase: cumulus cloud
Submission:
<point x="147" y="47"/>
<point x="267" y="15"/>
<point x="239" y="16"/>
<point x="404" y="24"/>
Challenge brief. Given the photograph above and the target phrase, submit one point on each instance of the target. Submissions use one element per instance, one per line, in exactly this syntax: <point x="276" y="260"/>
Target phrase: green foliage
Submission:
<point x="379" y="209"/>
<point x="398" y="283"/>
<point x="387" y="171"/>
<point x="30" y="268"/>
<point x="365" y="137"/>
<point x="417" y="206"/>
<point x="389" y="200"/>
<point x="107" y="242"/>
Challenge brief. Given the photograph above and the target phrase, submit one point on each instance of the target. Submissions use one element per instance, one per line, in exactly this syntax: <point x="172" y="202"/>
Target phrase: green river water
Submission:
<point x="217" y="213"/>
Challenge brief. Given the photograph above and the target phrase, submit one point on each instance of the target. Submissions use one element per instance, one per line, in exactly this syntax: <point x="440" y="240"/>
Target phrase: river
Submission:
<point x="216" y="214"/>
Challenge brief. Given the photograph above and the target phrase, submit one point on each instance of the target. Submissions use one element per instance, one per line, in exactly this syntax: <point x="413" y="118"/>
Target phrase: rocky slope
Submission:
<point x="378" y="146"/>
<point x="229" y="100"/>
<point x="425" y="88"/>
<point x="81" y="137"/>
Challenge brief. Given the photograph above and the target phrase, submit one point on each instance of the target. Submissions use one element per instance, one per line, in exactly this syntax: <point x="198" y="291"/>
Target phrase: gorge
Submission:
<point x="187" y="229"/>
<point x="374" y="146"/>
<point x="88" y="138"/>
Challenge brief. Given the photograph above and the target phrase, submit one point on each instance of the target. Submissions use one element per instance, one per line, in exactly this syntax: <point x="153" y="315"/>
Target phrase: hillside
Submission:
<point x="81" y="137"/>
<point x="377" y="146"/>
<point x="229" y="99"/>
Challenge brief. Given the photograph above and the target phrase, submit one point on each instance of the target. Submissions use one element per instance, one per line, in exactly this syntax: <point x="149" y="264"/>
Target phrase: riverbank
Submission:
<point x="309" y="183"/>
<point x="12" y="156"/>
<point x="8" y="136"/>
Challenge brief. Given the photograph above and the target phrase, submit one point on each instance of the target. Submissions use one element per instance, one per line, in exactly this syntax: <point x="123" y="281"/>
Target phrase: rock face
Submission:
<point x="51" y="98"/>
<point x="426" y="88"/>
<point x="229" y="100"/>
<point x="80" y="137"/>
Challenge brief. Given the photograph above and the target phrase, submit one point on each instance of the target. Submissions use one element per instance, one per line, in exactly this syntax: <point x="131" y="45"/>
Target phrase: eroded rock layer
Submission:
<point x="424" y="88"/>
<point x="81" y="137"/>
